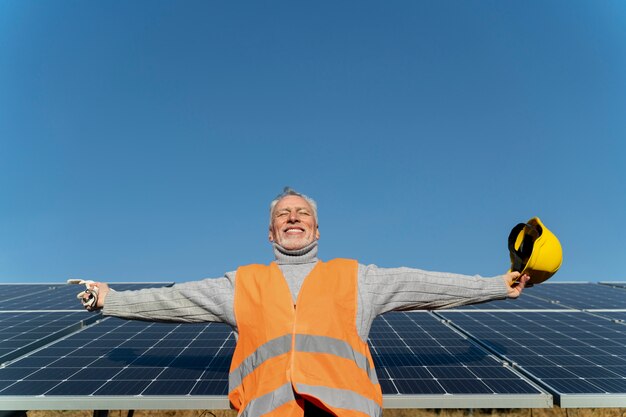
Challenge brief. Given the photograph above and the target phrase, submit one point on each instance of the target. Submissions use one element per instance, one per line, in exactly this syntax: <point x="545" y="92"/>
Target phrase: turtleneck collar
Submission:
<point x="304" y="255"/>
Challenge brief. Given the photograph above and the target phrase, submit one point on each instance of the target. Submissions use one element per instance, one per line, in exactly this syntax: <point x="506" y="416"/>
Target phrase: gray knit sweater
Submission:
<point x="380" y="290"/>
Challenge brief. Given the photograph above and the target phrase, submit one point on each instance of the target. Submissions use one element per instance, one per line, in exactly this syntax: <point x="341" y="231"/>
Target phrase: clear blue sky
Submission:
<point x="143" y="140"/>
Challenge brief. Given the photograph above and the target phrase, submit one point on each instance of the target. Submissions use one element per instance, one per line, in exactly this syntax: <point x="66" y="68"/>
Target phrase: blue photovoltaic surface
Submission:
<point x="415" y="354"/>
<point x="528" y="302"/>
<point x="585" y="296"/>
<point x="614" y="284"/>
<point x="21" y="332"/>
<point x="569" y="352"/>
<point x="617" y="316"/>
<point x="557" y="296"/>
<point x="32" y="315"/>
<point x="26" y="296"/>
<point x="36" y="297"/>
<point x="116" y="357"/>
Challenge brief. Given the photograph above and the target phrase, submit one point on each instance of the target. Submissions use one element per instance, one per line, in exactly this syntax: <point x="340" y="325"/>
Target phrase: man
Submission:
<point x="302" y="324"/>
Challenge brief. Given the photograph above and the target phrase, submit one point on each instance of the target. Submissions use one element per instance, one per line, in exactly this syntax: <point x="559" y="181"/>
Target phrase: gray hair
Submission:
<point x="287" y="191"/>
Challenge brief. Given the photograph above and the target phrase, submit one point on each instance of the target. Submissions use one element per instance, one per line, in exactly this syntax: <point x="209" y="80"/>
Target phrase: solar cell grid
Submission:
<point x="570" y="353"/>
<point x="84" y="366"/>
<point x="137" y="360"/>
<point x="23" y="294"/>
<point x="614" y="284"/>
<point x="19" y="290"/>
<point x="585" y="296"/>
<point x="580" y="357"/>
<point x="41" y="297"/>
<point x="417" y="354"/>
<point x="23" y="332"/>
<point x="528" y="302"/>
<point x="617" y="316"/>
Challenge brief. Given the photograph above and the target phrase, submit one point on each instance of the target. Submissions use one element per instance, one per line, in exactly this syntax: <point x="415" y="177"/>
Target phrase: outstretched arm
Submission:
<point x="192" y="302"/>
<point x="387" y="289"/>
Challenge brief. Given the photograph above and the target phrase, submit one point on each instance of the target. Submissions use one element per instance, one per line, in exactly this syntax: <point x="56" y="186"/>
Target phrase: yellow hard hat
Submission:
<point x="534" y="250"/>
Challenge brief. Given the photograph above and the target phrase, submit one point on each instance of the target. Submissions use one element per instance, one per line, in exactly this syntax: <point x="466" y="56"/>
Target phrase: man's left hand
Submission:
<point x="515" y="282"/>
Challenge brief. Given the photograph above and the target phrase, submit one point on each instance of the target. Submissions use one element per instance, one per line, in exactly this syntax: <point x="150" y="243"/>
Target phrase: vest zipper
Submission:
<point x="293" y="347"/>
<point x="293" y="334"/>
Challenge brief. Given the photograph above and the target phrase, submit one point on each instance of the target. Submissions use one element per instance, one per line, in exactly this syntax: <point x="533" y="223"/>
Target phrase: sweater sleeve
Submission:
<point x="387" y="289"/>
<point x="191" y="302"/>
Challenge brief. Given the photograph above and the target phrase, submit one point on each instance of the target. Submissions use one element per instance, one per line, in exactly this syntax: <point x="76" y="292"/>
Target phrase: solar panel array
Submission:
<point x="561" y="343"/>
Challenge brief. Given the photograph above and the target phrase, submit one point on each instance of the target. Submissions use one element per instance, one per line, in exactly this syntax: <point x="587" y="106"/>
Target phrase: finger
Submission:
<point x="523" y="282"/>
<point x="513" y="278"/>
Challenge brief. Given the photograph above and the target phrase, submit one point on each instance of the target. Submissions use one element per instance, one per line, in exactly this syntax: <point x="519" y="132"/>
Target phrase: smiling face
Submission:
<point x="293" y="223"/>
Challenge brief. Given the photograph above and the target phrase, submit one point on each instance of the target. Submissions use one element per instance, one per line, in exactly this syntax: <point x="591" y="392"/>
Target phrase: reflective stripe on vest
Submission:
<point x="337" y="347"/>
<point x="336" y="398"/>
<point x="341" y="398"/>
<point x="268" y="402"/>
<point x="304" y="343"/>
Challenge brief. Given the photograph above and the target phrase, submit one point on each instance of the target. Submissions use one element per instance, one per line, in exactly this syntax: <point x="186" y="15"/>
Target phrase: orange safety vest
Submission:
<point x="312" y="351"/>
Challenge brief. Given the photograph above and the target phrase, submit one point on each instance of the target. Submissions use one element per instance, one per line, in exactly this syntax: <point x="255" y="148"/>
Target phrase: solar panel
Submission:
<point x="560" y="296"/>
<point x="32" y="315"/>
<point x="528" y="302"/>
<point x="617" y="316"/>
<point x="616" y="284"/>
<point x="21" y="332"/>
<point x="127" y="365"/>
<point x="579" y="357"/>
<point x="423" y="363"/>
<point x="587" y="296"/>
<point x="19" y="294"/>
<point x="30" y="297"/>
<point x="132" y="365"/>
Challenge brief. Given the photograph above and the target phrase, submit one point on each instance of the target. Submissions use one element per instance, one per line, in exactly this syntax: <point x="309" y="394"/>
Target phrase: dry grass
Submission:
<point x="523" y="412"/>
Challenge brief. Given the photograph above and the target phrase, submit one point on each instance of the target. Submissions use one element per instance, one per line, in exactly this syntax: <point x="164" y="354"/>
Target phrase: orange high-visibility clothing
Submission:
<point x="312" y="351"/>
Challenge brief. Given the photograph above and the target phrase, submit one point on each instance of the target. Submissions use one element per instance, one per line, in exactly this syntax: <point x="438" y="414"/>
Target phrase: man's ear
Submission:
<point x="271" y="235"/>
<point x="317" y="232"/>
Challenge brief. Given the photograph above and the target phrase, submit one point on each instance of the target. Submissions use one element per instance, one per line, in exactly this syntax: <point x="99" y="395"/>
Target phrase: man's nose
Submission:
<point x="293" y="216"/>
